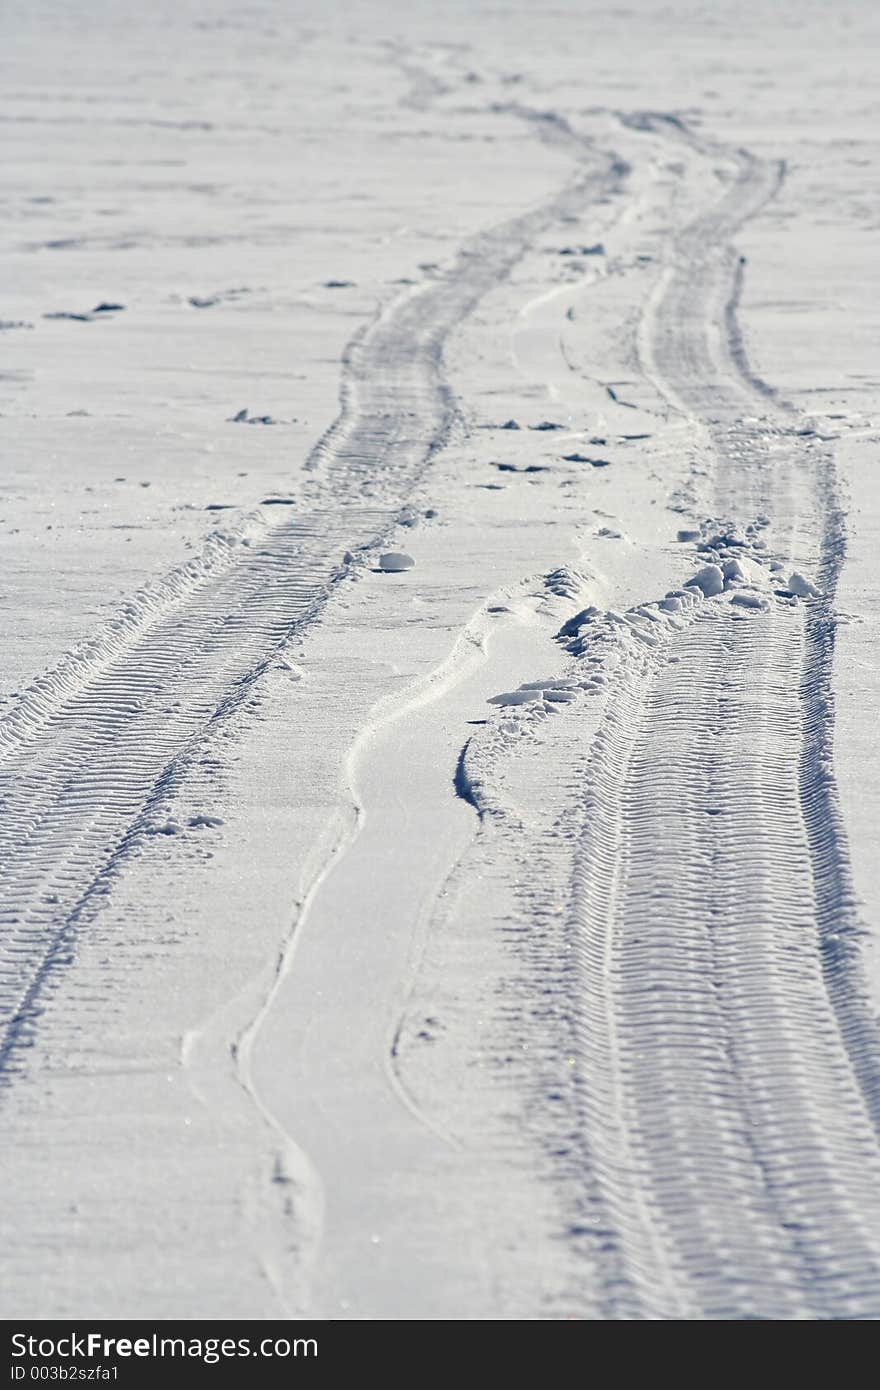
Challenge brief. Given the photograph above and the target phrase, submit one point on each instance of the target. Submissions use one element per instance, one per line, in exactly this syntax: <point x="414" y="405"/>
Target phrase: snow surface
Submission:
<point x="350" y="966"/>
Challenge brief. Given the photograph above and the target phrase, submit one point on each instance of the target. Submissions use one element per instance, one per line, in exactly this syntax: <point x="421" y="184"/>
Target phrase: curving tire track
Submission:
<point x="712" y="913"/>
<point x="87" y="755"/>
<point x="703" y="1066"/>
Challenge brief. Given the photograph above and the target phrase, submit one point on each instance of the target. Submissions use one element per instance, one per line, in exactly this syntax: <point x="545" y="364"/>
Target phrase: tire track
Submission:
<point x="770" y="464"/>
<point x="747" y="1060"/>
<point x="87" y="753"/>
<point x="702" y="1063"/>
<point x="693" y="887"/>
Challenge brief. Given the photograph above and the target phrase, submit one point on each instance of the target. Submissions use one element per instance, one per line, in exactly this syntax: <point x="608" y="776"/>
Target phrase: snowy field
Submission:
<point x="493" y="937"/>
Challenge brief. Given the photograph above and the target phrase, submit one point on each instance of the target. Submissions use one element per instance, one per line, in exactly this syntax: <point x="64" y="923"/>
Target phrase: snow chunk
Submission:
<point x="710" y="580"/>
<point x="551" y="683"/>
<point x="394" y="560"/>
<point x="749" y="599"/>
<point x="800" y="585"/>
<point x="515" y="697"/>
<point x="740" y="569"/>
<point x="733" y="570"/>
<point x="573" y="625"/>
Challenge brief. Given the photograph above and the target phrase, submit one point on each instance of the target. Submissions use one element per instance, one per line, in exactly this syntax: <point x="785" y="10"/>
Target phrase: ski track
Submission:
<point x="717" y="1131"/>
<point x="86" y="754"/>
